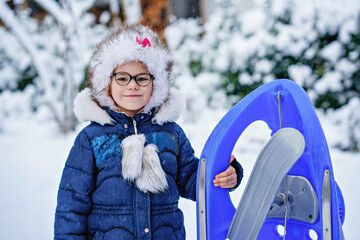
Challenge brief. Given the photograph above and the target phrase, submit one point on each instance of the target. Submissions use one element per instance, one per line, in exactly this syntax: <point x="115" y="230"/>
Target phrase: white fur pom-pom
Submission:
<point x="153" y="177"/>
<point x="132" y="151"/>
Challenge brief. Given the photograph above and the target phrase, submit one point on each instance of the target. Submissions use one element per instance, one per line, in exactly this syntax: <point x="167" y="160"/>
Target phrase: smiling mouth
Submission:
<point x="132" y="95"/>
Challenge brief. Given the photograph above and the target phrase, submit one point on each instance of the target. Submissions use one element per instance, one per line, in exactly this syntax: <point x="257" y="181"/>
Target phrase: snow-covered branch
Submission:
<point x="53" y="8"/>
<point x="80" y="7"/>
<point x="8" y="17"/>
<point x="56" y="82"/>
<point x="132" y="10"/>
<point x="114" y="7"/>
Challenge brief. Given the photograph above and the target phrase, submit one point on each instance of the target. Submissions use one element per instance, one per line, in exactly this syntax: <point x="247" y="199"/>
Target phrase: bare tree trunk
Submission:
<point x="204" y="10"/>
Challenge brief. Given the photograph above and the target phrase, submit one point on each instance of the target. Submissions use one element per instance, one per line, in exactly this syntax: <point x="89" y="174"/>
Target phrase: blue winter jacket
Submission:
<point x="94" y="200"/>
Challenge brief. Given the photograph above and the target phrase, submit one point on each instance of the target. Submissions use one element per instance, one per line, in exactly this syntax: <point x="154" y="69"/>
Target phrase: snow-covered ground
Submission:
<point x="33" y="154"/>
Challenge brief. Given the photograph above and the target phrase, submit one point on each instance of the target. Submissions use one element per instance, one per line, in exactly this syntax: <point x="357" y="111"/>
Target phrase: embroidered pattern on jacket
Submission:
<point x="165" y="141"/>
<point x="106" y="146"/>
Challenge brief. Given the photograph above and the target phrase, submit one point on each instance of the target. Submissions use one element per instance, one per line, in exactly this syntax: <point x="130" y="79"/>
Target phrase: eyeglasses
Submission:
<point x="124" y="78"/>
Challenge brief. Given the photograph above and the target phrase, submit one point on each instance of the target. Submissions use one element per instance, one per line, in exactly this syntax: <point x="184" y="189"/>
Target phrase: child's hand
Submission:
<point x="227" y="178"/>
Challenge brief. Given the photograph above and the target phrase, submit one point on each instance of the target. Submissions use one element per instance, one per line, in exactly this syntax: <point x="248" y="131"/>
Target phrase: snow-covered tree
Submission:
<point x="53" y="52"/>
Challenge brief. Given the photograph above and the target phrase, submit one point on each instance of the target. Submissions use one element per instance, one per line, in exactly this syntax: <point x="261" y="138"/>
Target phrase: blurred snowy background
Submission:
<point x="223" y="50"/>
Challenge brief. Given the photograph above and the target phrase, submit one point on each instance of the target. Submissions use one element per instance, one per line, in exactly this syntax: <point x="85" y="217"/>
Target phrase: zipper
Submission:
<point x="134" y="123"/>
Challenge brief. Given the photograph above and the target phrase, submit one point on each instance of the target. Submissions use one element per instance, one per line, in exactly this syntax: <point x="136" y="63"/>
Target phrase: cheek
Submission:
<point x="110" y="90"/>
<point x="115" y="93"/>
<point x="114" y="89"/>
<point x="149" y="92"/>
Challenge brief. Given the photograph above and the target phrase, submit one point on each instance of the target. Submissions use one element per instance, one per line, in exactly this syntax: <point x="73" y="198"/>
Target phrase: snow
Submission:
<point x="300" y="74"/>
<point x="330" y="81"/>
<point x="333" y="51"/>
<point x="34" y="153"/>
<point x="245" y="78"/>
<point x="252" y="20"/>
<point x="263" y="66"/>
<point x="29" y="178"/>
<point x="346" y="67"/>
<point x="133" y="11"/>
<point x="8" y="17"/>
<point x="54" y="8"/>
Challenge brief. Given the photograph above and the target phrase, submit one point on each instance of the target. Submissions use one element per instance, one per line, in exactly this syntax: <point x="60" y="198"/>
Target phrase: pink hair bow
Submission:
<point x="144" y="43"/>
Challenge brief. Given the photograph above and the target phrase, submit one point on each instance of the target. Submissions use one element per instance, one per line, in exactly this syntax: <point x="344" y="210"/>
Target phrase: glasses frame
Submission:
<point x="132" y="77"/>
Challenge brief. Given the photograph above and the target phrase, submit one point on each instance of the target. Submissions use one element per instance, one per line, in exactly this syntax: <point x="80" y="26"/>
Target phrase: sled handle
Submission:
<point x="258" y="105"/>
<point x="263" y="103"/>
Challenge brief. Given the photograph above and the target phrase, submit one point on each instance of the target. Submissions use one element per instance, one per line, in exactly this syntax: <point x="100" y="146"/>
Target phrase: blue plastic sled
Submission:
<point x="214" y="207"/>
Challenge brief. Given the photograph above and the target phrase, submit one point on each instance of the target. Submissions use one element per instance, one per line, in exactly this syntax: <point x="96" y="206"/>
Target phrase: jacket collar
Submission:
<point x="140" y="117"/>
<point x="87" y="109"/>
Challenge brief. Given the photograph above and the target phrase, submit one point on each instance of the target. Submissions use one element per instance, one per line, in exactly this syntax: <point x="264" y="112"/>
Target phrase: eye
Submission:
<point x="122" y="79"/>
<point x="143" y="78"/>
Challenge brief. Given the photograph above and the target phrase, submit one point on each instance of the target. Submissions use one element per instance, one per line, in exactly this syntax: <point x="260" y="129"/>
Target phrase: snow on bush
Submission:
<point x="316" y="43"/>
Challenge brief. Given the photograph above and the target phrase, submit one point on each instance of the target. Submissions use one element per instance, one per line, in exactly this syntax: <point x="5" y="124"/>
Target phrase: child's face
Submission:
<point x="130" y="98"/>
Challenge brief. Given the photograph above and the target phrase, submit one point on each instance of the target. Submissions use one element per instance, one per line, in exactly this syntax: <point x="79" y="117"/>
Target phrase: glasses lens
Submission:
<point x="122" y="78"/>
<point x="143" y="79"/>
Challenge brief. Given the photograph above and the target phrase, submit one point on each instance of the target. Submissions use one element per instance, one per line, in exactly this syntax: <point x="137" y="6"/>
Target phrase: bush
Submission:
<point x="314" y="43"/>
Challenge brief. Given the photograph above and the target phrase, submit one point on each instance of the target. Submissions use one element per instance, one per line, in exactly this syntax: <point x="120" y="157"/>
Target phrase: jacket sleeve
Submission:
<point x="188" y="165"/>
<point x="239" y="172"/>
<point x="77" y="182"/>
<point x="187" y="168"/>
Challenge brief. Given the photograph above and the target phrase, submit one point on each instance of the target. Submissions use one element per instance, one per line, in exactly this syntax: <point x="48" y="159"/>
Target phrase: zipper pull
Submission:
<point x="135" y="128"/>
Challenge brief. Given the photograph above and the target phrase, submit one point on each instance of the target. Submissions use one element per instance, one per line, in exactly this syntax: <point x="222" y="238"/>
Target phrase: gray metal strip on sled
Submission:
<point x="273" y="163"/>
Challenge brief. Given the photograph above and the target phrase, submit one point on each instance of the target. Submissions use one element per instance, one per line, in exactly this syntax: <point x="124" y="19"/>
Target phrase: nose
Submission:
<point x="132" y="84"/>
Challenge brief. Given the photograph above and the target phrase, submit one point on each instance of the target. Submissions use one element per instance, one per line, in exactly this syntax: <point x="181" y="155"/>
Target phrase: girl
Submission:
<point x="129" y="166"/>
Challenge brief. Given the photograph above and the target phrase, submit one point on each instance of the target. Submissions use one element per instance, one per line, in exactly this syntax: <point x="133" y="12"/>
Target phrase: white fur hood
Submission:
<point x="125" y="45"/>
<point x="87" y="109"/>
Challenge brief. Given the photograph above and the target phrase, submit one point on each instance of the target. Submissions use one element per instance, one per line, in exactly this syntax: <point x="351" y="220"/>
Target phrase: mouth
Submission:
<point x="132" y="95"/>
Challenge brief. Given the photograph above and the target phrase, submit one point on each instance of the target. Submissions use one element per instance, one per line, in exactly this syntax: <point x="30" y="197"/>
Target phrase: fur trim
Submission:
<point x="120" y="47"/>
<point x="132" y="151"/>
<point x="86" y="109"/>
<point x="171" y="110"/>
<point x="152" y="177"/>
